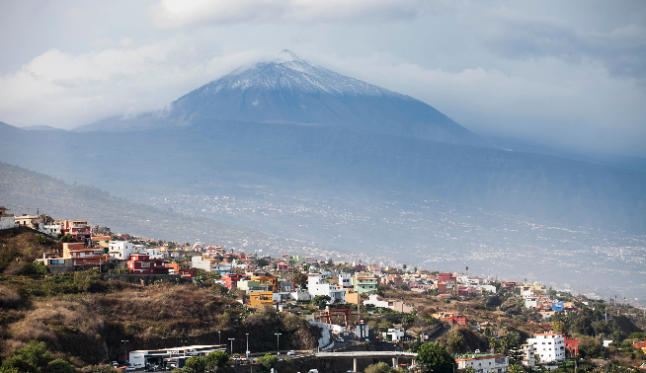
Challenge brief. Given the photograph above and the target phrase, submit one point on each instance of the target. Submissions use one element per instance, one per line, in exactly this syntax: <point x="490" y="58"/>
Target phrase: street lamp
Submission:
<point x="231" y="340"/>
<point x="278" y="334"/>
<point x="247" y="352"/>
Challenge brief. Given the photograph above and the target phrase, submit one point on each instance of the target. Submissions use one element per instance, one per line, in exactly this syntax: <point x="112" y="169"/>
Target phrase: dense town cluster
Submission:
<point x="353" y="303"/>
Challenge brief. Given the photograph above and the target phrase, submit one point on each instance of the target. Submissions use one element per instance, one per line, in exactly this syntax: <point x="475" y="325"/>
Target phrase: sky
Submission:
<point x="566" y="73"/>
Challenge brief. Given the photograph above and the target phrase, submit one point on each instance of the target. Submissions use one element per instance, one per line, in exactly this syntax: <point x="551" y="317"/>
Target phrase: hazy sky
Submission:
<point x="566" y="72"/>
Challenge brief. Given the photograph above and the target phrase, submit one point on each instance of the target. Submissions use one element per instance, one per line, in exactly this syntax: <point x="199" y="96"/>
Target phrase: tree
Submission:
<point x="558" y="326"/>
<point x="34" y="358"/>
<point x="215" y="360"/>
<point x="434" y="358"/>
<point x="321" y="301"/>
<point x="268" y="361"/>
<point x="379" y="367"/>
<point x="300" y="279"/>
<point x="516" y="368"/>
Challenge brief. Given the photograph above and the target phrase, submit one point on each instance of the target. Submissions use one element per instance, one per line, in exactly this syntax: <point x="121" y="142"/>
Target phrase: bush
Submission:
<point x="380" y="367"/>
<point x="34" y="358"/>
<point x="435" y="359"/>
<point x="268" y="361"/>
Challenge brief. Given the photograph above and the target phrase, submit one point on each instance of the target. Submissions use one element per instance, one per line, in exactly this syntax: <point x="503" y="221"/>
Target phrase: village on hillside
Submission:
<point x="365" y="313"/>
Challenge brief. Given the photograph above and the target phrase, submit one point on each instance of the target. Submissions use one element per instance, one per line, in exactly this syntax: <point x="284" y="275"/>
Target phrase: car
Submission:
<point x="130" y="368"/>
<point x="291" y="352"/>
<point x="313" y="371"/>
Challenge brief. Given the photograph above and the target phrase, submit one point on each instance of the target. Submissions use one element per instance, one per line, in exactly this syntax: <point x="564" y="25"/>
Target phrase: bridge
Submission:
<point x="395" y="355"/>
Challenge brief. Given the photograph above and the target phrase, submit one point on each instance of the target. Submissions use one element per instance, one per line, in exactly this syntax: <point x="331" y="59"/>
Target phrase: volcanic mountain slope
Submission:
<point x="289" y="90"/>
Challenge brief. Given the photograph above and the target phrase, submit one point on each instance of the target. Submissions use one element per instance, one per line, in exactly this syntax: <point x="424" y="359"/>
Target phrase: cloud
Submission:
<point x="179" y="13"/>
<point x="621" y="48"/>
<point x="65" y="90"/>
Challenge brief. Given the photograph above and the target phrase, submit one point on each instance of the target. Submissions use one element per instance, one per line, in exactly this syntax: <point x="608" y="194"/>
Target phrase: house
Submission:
<point x="57" y="265"/>
<point x="98" y="241"/>
<point x="452" y="318"/>
<point x="120" y="250"/>
<point x="364" y="282"/>
<point x="143" y="264"/>
<point x="29" y="221"/>
<point x="231" y="280"/>
<point x="155" y="253"/>
<point x="352" y="297"/>
<point x="83" y="256"/>
<point x="50" y="229"/>
<point x="210" y="265"/>
<point x="318" y="284"/>
<point x="77" y="229"/>
<point x="483" y="363"/>
<point x="345" y="280"/>
<point x="548" y="347"/>
<point x="393" y="335"/>
<point x="249" y="285"/>
<point x="267" y="279"/>
<point x="528" y="355"/>
<point x="260" y="299"/>
<point x="7" y="221"/>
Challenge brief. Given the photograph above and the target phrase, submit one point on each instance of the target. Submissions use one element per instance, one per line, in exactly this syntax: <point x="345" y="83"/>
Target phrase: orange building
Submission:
<point x="83" y="256"/>
<point x="260" y="299"/>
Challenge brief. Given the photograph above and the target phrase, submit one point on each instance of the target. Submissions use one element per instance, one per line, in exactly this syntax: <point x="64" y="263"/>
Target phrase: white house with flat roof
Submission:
<point x="548" y="347"/>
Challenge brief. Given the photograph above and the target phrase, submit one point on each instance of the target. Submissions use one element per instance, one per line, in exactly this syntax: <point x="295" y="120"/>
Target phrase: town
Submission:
<point x="293" y="313"/>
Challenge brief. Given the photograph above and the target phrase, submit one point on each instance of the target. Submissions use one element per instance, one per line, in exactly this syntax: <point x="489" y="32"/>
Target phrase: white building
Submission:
<point x="300" y="295"/>
<point x="483" y="363"/>
<point x="393" y="335"/>
<point x="345" y="280"/>
<point x="120" y="250"/>
<point x="7" y="222"/>
<point x="528" y="355"/>
<point x="376" y="300"/>
<point x="155" y="253"/>
<point x="488" y="288"/>
<point x="319" y="285"/>
<point x="50" y="229"/>
<point x="548" y="347"/>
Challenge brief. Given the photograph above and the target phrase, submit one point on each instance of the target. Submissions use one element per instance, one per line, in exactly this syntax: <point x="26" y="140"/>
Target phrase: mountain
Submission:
<point x="291" y="91"/>
<point x="355" y="169"/>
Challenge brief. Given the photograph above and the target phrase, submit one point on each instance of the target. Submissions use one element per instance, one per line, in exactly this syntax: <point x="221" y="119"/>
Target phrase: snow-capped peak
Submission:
<point x="288" y="71"/>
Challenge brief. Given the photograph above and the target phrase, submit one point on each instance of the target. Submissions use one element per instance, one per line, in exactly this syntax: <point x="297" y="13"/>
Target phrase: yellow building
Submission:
<point x="352" y="298"/>
<point x="260" y="299"/>
<point x="269" y="280"/>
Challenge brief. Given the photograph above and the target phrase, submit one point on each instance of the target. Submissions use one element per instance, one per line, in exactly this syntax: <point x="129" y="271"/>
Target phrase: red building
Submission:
<point x="78" y="229"/>
<point x="455" y="320"/>
<point x="231" y="280"/>
<point x="572" y="345"/>
<point x="445" y="277"/>
<point x="142" y="264"/>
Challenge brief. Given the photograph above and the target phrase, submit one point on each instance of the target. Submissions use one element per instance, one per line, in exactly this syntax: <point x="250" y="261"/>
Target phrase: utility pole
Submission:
<point x="278" y="334"/>
<point x="247" y="352"/>
<point x="219" y="337"/>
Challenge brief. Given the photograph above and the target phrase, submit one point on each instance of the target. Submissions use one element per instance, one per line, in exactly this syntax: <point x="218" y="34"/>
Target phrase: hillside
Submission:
<point x="85" y="319"/>
<point x="25" y="191"/>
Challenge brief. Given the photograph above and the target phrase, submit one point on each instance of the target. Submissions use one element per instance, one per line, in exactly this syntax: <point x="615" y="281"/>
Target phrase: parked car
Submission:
<point x="291" y="352"/>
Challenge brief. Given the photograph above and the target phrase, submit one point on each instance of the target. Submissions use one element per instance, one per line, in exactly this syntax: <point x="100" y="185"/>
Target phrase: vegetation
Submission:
<point x="267" y="362"/>
<point x="208" y="363"/>
<point x="434" y="358"/>
<point x="34" y="358"/>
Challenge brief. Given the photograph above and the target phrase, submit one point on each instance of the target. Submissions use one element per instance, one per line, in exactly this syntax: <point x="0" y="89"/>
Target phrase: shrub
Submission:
<point x="34" y="358"/>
